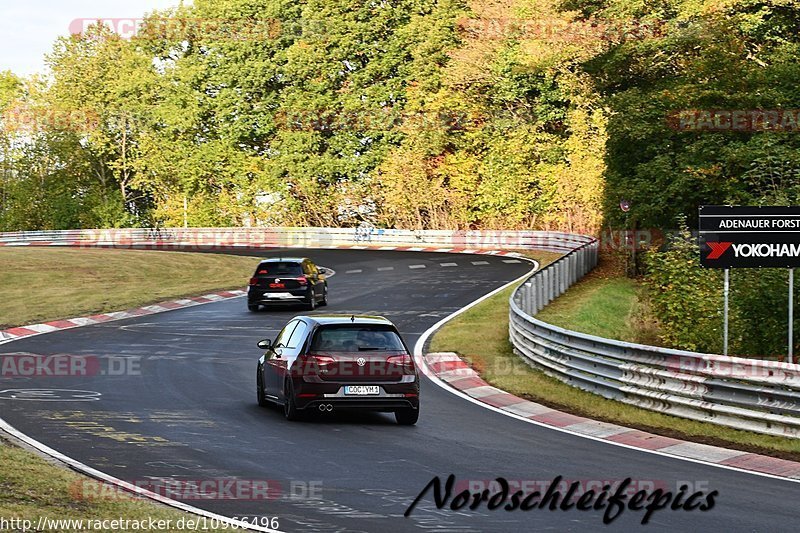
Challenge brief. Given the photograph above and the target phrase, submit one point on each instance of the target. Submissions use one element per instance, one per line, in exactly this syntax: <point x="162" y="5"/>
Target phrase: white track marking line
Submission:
<point x="356" y="271"/>
<point x="420" y="361"/>
<point x="511" y="261"/>
<point x="416" y="266"/>
<point x="480" y="262"/>
<point x="382" y="269"/>
<point x="448" y="264"/>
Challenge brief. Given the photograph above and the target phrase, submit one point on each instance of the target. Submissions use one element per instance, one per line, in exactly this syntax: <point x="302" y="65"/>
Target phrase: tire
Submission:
<point x="324" y="296"/>
<point x="253" y="308"/>
<point x="312" y="301"/>
<point x="407" y="417"/>
<point x="290" y="410"/>
<point x="262" y="400"/>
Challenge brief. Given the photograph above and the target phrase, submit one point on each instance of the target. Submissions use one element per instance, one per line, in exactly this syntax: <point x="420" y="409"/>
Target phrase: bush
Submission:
<point x="686" y="298"/>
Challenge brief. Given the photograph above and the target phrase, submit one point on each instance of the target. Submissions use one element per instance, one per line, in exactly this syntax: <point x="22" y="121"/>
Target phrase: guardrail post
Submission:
<point x="556" y="274"/>
<point x="572" y="262"/>
<point x="526" y="296"/>
<point x="576" y="270"/>
<point x="539" y="292"/>
<point x="547" y="286"/>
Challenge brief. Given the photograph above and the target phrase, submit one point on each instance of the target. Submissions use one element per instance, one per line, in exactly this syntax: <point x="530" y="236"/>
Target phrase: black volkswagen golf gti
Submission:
<point x="324" y="362"/>
<point x="287" y="280"/>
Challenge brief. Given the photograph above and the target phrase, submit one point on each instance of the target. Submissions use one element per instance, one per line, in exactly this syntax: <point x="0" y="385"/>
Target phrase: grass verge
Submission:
<point x="480" y="336"/>
<point x="41" y="284"/>
<point x="31" y="488"/>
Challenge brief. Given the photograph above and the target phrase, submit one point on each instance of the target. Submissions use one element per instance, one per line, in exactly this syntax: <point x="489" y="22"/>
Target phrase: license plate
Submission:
<point x="277" y="294"/>
<point x="277" y="286"/>
<point x="362" y="390"/>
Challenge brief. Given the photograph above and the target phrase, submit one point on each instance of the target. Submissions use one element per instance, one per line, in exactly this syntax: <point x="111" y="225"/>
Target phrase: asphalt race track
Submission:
<point x="185" y="409"/>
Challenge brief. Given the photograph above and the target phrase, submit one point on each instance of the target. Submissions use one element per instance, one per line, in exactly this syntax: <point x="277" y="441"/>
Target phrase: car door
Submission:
<point x="290" y="353"/>
<point x="275" y="363"/>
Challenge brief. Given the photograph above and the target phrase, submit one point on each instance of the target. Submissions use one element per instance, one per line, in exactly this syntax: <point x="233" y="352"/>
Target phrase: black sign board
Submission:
<point x="749" y="237"/>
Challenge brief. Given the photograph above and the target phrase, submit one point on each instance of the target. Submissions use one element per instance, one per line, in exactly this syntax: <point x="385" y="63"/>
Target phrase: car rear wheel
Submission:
<point x="407" y="417"/>
<point x="312" y="300"/>
<point x="262" y="400"/>
<point x="324" y="296"/>
<point x="290" y="410"/>
<point x="253" y="307"/>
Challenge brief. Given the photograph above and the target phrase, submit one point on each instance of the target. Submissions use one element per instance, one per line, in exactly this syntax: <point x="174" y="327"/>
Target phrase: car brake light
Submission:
<point x="302" y="280"/>
<point x="263" y="272"/>
<point x="311" y="364"/>
<point x="253" y="281"/>
<point x="320" y="359"/>
<point x="401" y="360"/>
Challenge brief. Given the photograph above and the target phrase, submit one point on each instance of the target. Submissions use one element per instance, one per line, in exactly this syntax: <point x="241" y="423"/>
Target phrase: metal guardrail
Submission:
<point x="187" y="238"/>
<point x="749" y="394"/>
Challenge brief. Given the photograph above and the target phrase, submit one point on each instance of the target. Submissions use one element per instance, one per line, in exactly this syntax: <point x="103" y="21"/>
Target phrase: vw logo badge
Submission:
<point x="361" y="361"/>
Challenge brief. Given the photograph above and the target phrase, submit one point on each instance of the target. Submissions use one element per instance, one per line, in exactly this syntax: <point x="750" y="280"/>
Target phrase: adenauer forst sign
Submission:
<point x="749" y="237"/>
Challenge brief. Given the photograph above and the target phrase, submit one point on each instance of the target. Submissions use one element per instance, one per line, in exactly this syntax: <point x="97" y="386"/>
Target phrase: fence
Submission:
<point x="750" y="394"/>
<point x="188" y="238"/>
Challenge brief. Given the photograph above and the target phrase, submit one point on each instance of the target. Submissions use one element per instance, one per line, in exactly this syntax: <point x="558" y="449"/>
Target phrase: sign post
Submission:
<point x="726" y="292"/>
<point x="791" y="315"/>
<point x="751" y="237"/>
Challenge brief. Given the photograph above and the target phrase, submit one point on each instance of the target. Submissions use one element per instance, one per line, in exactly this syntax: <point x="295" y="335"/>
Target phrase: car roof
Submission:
<point x="325" y="320"/>
<point x="284" y="260"/>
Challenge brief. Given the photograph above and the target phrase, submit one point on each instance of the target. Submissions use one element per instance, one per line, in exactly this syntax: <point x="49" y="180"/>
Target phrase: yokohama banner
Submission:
<point x="749" y="237"/>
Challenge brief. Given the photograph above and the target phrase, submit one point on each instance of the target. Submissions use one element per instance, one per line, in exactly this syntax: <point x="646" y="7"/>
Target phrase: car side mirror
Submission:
<point x="265" y="344"/>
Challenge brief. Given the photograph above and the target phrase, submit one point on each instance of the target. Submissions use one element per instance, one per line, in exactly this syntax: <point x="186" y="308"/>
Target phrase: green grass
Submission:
<point x="601" y="307"/>
<point x="40" y="284"/>
<point x="480" y="336"/>
<point x="31" y="488"/>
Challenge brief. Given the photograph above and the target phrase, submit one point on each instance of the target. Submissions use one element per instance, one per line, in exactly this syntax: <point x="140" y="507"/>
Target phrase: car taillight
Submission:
<point x="253" y="281"/>
<point x="320" y="359"/>
<point x="311" y="364"/>
<point x="302" y="280"/>
<point x="405" y="361"/>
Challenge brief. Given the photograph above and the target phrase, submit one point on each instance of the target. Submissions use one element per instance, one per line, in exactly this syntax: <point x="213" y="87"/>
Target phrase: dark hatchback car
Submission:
<point x="325" y="362"/>
<point x="287" y="280"/>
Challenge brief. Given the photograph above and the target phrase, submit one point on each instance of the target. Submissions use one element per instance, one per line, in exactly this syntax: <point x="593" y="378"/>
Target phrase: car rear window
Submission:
<point x="356" y="339"/>
<point x="279" y="269"/>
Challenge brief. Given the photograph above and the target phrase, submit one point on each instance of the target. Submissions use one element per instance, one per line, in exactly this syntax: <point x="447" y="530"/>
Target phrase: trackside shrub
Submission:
<point x="686" y="298"/>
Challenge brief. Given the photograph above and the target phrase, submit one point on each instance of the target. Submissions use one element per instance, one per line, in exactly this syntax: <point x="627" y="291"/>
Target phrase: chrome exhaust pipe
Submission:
<point x="329" y="407"/>
<point x="322" y="407"/>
